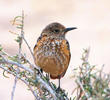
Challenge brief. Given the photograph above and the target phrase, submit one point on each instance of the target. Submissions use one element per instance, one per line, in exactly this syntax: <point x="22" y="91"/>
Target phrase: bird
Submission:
<point x="52" y="50"/>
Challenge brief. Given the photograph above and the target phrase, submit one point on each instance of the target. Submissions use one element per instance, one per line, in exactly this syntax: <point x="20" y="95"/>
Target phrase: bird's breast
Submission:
<point x="48" y="46"/>
<point x="52" y="55"/>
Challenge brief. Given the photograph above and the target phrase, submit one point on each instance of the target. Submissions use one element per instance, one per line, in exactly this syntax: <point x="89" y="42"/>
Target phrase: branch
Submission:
<point x="19" y="56"/>
<point x="17" y="64"/>
<point x="51" y="91"/>
<point x="28" y="47"/>
<point x="14" y="86"/>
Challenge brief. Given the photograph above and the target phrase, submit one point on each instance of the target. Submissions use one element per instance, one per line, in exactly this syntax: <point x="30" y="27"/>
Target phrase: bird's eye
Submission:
<point x="56" y="31"/>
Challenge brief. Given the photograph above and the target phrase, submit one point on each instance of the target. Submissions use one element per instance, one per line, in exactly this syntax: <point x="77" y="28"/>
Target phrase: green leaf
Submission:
<point x="17" y="17"/>
<point x="18" y="39"/>
<point x="19" y="27"/>
<point x="4" y="74"/>
<point x="14" y="58"/>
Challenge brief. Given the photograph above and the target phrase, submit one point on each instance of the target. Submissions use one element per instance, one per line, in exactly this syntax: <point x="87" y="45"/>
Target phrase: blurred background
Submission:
<point x="91" y="17"/>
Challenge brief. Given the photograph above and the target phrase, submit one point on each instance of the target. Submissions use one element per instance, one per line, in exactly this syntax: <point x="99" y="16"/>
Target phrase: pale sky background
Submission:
<point x="91" y="17"/>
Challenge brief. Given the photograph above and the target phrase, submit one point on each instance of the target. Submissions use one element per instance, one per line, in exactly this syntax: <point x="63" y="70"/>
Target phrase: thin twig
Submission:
<point x="87" y="55"/>
<point x="19" y="55"/>
<point x="33" y="66"/>
<point x="14" y="86"/>
<point x="28" y="46"/>
<point x="22" y="35"/>
<point x="81" y="86"/>
<point x="46" y="85"/>
<point x="17" y="64"/>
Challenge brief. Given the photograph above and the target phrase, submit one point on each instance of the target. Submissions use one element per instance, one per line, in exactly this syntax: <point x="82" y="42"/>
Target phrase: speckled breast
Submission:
<point x="52" y="54"/>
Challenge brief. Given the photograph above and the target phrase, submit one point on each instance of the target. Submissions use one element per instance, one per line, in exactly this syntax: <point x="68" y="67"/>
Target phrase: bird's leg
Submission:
<point x="48" y="76"/>
<point x="58" y="89"/>
<point x="41" y="70"/>
<point x="59" y="83"/>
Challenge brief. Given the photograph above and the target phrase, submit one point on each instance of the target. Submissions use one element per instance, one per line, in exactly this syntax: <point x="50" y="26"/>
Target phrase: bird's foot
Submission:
<point x="58" y="89"/>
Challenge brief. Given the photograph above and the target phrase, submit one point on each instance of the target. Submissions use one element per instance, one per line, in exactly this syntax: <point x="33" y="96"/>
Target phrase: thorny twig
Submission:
<point x="19" y="55"/>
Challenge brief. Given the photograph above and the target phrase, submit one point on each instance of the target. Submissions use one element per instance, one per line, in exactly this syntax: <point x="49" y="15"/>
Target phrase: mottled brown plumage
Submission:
<point x="52" y="52"/>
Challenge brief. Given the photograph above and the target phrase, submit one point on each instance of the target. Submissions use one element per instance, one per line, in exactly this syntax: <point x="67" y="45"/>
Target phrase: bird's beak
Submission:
<point x="69" y="29"/>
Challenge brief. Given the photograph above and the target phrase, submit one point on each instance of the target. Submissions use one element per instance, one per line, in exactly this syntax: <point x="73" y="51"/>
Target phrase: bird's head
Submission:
<point x="56" y="29"/>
